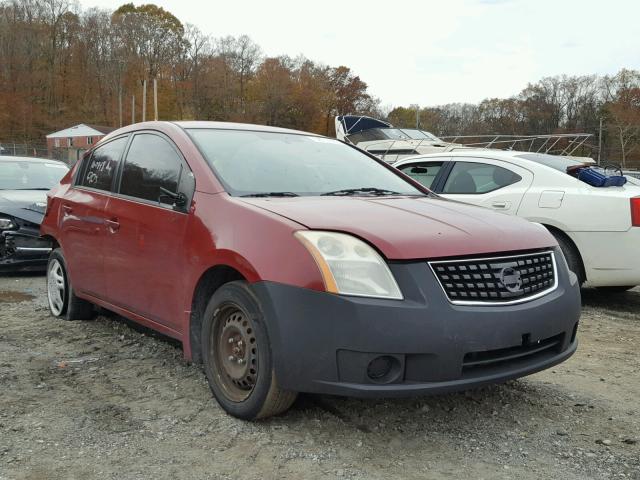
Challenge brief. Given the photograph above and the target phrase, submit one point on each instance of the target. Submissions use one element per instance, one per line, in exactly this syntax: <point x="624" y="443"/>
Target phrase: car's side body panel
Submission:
<point x="82" y="231"/>
<point x="135" y="254"/>
<point x="610" y="258"/>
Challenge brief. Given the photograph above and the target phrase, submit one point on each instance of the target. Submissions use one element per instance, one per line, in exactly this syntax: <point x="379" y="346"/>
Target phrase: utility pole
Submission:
<point x="600" y="141"/>
<point x="144" y="100"/>
<point x="133" y="109"/>
<point x="120" y="105"/>
<point x="417" y="107"/>
<point x="155" y="99"/>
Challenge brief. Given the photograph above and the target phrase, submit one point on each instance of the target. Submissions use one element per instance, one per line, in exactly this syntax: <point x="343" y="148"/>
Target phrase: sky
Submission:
<point x="431" y="52"/>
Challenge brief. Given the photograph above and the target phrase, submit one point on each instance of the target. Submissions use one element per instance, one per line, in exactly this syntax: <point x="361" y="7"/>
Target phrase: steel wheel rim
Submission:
<point x="236" y="352"/>
<point x="56" y="287"/>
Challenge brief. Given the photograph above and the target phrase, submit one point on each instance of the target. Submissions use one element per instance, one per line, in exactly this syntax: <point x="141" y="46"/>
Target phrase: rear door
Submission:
<point x="144" y="241"/>
<point x="487" y="183"/>
<point x="82" y="222"/>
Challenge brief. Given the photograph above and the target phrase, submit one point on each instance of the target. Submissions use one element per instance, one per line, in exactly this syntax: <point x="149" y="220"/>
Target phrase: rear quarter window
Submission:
<point x="477" y="178"/>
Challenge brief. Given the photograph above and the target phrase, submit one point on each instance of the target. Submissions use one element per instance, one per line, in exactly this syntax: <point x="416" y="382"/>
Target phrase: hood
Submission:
<point x="405" y="228"/>
<point x="28" y="205"/>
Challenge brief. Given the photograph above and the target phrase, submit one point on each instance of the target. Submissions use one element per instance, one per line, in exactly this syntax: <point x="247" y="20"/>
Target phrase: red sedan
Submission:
<point x="289" y="262"/>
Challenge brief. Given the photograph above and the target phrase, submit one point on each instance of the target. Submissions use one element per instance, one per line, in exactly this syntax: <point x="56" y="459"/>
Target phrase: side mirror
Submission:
<point x="179" y="198"/>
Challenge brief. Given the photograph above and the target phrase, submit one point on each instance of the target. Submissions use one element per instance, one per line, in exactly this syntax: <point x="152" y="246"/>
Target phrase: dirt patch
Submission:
<point x="101" y="399"/>
<point x="8" y="296"/>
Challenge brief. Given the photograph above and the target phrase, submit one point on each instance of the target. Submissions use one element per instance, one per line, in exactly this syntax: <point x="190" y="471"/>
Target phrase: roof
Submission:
<point x="8" y="158"/>
<point x="237" y="126"/>
<point x="82" y="130"/>
<point x="199" y="124"/>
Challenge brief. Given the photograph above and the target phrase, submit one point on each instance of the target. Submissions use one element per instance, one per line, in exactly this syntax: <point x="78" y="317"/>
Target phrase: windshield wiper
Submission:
<point x="368" y="190"/>
<point x="271" y="194"/>
<point x="35" y="188"/>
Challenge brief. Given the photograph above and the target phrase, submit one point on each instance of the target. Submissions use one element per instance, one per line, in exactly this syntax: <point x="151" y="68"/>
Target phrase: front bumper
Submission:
<point x="23" y="250"/>
<point x="324" y="343"/>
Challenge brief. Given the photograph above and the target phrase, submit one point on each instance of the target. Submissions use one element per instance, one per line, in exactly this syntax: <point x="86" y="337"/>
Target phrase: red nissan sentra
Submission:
<point x="289" y="262"/>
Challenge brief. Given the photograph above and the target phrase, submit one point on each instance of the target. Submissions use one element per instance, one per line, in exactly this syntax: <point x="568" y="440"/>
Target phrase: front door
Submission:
<point x="82" y="222"/>
<point x="144" y="257"/>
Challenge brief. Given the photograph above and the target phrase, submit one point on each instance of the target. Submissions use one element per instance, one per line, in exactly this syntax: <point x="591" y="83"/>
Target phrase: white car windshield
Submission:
<point x="30" y="175"/>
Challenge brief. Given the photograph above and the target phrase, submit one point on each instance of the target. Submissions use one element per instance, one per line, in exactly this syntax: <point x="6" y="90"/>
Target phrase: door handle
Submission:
<point x="67" y="209"/>
<point x="113" y="225"/>
<point x="501" y="205"/>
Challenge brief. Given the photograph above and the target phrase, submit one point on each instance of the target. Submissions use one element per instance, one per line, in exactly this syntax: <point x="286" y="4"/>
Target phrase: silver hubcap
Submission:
<point x="56" y="287"/>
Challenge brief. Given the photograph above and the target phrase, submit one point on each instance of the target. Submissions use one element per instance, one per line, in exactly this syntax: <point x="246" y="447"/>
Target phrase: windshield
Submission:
<point x="414" y="134"/>
<point x="249" y="163"/>
<point x="554" y="161"/>
<point x="26" y="175"/>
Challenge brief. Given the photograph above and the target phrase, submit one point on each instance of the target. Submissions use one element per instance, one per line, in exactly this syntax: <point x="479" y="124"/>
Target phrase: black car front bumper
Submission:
<point x="23" y="250"/>
<point x="326" y="343"/>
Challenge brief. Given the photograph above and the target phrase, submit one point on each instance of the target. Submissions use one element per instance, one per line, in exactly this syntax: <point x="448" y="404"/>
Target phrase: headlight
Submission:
<point x="349" y="266"/>
<point x="7" y="224"/>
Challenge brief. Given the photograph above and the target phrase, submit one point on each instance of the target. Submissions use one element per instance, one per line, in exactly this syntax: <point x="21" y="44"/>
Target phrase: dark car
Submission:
<point x="23" y="194"/>
<point x="289" y="262"/>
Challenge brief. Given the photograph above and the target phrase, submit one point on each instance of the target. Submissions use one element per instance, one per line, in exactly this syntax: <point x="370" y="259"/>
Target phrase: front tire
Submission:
<point x="237" y="355"/>
<point x="63" y="302"/>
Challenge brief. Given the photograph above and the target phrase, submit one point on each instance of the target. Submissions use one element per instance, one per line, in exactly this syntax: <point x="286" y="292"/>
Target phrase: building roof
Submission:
<point x="81" y="130"/>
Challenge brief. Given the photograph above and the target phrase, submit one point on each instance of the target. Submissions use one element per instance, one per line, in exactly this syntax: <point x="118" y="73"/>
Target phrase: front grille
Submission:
<point x="509" y="279"/>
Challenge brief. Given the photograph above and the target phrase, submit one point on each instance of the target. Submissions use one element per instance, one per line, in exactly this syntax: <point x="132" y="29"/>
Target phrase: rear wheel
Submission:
<point x="237" y="356"/>
<point x="571" y="255"/>
<point x="63" y="302"/>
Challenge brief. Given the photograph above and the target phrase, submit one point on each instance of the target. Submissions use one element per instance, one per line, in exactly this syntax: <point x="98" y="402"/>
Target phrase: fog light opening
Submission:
<point x="383" y="369"/>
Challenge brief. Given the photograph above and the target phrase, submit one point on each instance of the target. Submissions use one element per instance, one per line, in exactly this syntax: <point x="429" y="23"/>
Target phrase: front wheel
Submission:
<point x="237" y="356"/>
<point x="63" y="302"/>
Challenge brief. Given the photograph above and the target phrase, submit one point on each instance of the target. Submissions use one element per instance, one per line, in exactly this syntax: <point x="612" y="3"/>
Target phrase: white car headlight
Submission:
<point x="349" y="266"/>
<point x="7" y="224"/>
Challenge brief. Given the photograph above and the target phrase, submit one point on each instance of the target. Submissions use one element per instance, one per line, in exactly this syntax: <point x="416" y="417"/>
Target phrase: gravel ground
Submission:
<point x="106" y="399"/>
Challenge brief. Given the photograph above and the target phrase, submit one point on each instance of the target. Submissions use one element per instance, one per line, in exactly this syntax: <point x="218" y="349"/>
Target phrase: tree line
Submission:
<point x="61" y="65"/>
<point x="560" y="104"/>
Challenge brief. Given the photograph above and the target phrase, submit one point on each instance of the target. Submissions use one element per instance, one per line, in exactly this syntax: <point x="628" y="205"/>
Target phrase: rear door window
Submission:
<point x="102" y="165"/>
<point x="477" y="178"/>
<point x="152" y="168"/>
<point x="423" y="172"/>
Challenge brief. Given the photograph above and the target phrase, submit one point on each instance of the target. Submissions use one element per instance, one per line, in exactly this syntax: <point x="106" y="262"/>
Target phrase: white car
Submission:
<point x="598" y="228"/>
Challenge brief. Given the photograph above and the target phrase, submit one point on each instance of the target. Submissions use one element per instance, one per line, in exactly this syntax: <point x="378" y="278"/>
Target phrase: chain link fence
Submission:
<point x="40" y="150"/>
